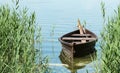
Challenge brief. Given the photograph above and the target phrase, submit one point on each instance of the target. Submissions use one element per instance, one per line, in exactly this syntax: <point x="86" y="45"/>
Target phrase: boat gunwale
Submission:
<point x="72" y="44"/>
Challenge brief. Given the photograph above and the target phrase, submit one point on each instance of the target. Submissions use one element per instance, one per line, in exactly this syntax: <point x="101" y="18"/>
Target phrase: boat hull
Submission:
<point x="79" y="49"/>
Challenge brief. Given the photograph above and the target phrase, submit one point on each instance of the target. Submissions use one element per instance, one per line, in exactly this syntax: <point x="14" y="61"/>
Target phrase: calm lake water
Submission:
<point x="57" y="17"/>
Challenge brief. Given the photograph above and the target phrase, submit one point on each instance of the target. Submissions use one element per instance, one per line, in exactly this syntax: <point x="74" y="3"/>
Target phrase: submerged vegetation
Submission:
<point x="110" y="44"/>
<point x="17" y="39"/>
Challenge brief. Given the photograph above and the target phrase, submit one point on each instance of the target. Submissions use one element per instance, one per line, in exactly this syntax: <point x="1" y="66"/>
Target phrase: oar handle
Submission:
<point x="80" y="27"/>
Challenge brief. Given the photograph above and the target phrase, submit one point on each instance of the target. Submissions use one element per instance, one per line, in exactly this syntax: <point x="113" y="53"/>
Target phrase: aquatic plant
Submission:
<point x="110" y="43"/>
<point x="17" y="39"/>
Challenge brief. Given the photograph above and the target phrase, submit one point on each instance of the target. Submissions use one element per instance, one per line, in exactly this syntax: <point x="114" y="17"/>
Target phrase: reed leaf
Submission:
<point x="17" y="40"/>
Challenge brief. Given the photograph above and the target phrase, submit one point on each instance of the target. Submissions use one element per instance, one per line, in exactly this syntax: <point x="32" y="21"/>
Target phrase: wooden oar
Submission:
<point x="80" y="27"/>
<point x="81" y="30"/>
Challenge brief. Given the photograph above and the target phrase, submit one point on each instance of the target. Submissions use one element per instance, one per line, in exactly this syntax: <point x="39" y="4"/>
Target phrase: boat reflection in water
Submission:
<point x="73" y="64"/>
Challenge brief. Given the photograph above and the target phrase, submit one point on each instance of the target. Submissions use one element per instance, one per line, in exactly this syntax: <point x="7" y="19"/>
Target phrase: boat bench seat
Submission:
<point x="77" y="38"/>
<point x="82" y="35"/>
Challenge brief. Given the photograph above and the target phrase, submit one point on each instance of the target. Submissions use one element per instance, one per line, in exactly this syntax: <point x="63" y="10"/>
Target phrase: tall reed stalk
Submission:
<point x="110" y="44"/>
<point x="17" y="39"/>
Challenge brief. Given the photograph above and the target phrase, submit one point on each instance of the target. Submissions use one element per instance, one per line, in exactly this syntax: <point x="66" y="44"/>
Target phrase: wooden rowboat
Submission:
<point x="73" y="46"/>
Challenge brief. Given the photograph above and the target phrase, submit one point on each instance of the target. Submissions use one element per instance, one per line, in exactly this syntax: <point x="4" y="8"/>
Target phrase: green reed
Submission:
<point x="17" y="42"/>
<point x="110" y="43"/>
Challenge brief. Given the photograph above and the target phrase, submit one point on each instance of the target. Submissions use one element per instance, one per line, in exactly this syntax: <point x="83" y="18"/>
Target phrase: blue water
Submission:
<point x="60" y="16"/>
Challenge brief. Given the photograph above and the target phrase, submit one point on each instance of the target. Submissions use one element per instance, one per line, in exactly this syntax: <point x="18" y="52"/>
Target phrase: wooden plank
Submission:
<point x="81" y="35"/>
<point x="73" y="38"/>
<point x="67" y="52"/>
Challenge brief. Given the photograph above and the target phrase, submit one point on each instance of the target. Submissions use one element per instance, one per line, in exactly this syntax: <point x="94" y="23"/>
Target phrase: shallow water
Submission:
<point x="57" y="17"/>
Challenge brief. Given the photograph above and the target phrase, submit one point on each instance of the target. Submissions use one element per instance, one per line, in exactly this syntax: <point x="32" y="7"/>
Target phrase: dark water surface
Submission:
<point x="57" y="17"/>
